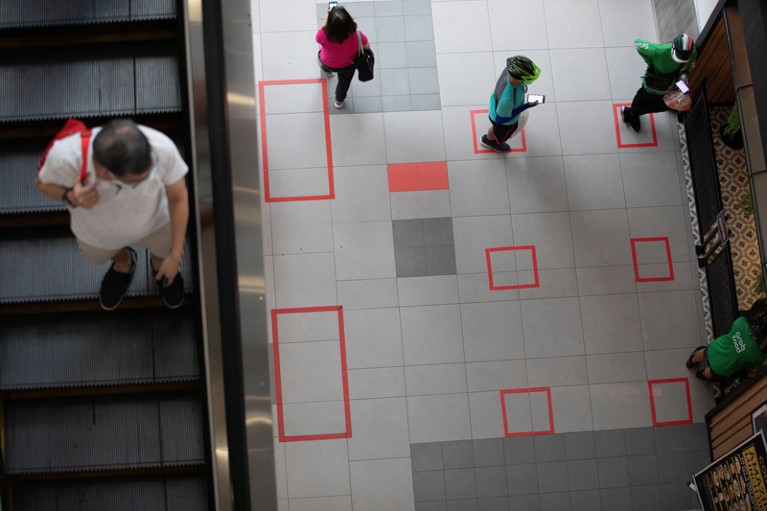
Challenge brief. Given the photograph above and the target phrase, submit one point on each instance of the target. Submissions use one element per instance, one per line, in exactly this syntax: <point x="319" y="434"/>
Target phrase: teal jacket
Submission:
<point x="507" y="101"/>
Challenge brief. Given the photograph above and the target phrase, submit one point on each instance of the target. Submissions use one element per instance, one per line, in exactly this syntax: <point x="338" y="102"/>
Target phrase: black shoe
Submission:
<point x="172" y="295"/>
<point x="115" y="283"/>
<point x="690" y="364"/>
<point x="495" y="146"/>
<point x="633" y="120"/>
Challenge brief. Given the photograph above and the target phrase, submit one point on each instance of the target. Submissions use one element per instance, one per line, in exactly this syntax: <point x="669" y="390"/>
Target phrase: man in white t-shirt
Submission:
<point x="134" y="193"/>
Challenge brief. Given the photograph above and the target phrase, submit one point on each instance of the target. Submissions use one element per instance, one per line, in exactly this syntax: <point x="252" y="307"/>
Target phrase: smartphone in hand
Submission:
<point x="682" y="87"/>
<point x="540" y="98"/>
<point x="332" y="5"/>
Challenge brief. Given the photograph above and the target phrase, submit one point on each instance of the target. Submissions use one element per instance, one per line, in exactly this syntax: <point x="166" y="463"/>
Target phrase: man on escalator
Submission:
<point x="123" y="185"/>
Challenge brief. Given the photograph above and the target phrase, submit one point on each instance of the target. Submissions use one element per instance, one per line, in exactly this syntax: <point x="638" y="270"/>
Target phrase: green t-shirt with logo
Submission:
<point x="733" y="351"/>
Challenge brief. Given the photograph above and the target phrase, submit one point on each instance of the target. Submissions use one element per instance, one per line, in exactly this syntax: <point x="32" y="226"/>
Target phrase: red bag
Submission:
<point x="71" y="127"/>
<point x="677" y="100"/>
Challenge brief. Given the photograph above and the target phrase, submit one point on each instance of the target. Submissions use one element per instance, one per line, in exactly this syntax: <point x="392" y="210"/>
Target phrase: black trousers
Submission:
<point x="644" y="103"/>
<point x="345" y="75"/>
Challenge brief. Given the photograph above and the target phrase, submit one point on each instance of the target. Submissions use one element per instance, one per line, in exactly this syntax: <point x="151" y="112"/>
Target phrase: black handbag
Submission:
<point x="658" y="83"/>
<point x="364" y="62"/>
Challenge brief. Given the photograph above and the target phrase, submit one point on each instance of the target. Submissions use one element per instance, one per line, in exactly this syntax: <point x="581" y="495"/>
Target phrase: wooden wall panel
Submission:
<point x="732" y="425"/>
<point x="714" y="67"/>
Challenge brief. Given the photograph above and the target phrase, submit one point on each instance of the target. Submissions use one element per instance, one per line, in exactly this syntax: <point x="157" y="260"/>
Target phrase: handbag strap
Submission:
<point x="360" y="50"/>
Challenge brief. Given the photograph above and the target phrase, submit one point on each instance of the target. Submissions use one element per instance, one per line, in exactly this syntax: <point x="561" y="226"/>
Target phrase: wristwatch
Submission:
<point x="66" y="200"/>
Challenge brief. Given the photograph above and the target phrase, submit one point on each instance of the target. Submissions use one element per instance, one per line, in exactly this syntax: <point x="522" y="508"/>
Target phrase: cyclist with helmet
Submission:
<point x="665" y="63"/>
<point x="508" y="101"/>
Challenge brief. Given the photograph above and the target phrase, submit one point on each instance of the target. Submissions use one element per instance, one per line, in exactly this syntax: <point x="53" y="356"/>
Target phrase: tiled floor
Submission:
<point x="457" y="329"/>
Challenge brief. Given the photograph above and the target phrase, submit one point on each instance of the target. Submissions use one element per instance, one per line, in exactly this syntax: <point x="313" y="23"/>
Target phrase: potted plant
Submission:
<point x="730" y="132"/>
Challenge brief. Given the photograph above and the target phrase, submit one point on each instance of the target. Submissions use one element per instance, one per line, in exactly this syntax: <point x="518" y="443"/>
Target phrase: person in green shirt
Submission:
<point x="666" y="62"/>
<point x="744" y="344"/>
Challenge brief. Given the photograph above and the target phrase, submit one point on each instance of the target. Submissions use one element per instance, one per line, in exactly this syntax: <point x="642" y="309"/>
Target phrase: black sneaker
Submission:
<point x="115" y="283"/>
<point x="172" y="295"/>
<point x="633" y="120"/>
<point x="495" y="146"/>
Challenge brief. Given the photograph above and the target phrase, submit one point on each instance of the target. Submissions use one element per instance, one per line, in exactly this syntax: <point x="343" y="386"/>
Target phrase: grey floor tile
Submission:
<point x="670" y="439"/>
<point x="616" y="499"/>
<point x="613" y="472"/>
<point x="550" y="448"/>
<point x="392" y="55"/>
<point x="438" y="232"/>
<point x="458" y="454"/>
<point x="418" y="27"/>
<point x="426" y="456"/>
<point x="425" y="102"/>
<point x="488" y="452"/>
<point x="491" y="482"/>
<point x="697" y="436"/>
<point x="368" y="104"/>
<point x="519" y="450"/>
<point x="460" y="483"/>
<point x="394" y="82"/>
<point x="462" y="505"/>
<point x="647" y="498"/>
<point x="396" y="103"/>
<point x="580" y="445"/>
<point x="429" y="485"/>
<point x="673" y="467"/>
<point x="525" y="503"/>
<point x="643" y="469"/>
<point x="390" y="28"/>
<point x="410" y="262"/>
<point x="423" y="80"/>
<point x="610" y="443"/>
<point x="390" y="8"/>
<point x="421" y="54"/>
<point x="417" y="7"/>
<point x="408" y="233"/>
<point x="522" y="479"/>
<point x="556" y="501"/>
<point x="362" y="9"/>
<point x="552" y="477"/>
<point x="440" y="261"/>
<point x="697" y="460"/>
<point x="431" y="506"/>
<point x="588" y="500"/>
<point x="583" y="474"/>
<point x="640" y="441"/>
<point x="494" y="504"/>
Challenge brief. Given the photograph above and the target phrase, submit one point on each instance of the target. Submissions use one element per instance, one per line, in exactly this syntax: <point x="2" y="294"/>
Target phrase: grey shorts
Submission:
<point x="159" y="243"/>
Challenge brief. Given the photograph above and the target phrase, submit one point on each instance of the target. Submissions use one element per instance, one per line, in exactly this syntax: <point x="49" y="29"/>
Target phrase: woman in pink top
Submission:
<point x="338" y="39"/>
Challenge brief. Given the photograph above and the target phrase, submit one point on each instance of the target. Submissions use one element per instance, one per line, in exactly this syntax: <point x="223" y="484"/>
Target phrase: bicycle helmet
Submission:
<point x="523" y="69"/>
<point x="681" y="49"/>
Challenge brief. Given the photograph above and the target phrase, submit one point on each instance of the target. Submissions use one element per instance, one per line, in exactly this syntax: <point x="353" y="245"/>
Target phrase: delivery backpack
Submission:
<point x="71" y="127"/>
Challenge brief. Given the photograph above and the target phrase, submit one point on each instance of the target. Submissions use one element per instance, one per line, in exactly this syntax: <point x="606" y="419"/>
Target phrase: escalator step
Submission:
<point x="104" y="80"/>
<point x="82" y="350"/>
<point x="35" y="13"/>
<point x="50" y="269"/>
<point x="169" y="493"/>
<point x="44" y="436"/>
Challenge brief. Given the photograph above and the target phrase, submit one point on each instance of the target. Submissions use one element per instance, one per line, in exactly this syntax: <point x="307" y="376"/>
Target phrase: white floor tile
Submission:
<point x="492" y="331"/>
<point x="377" y="481"/>
<point x="473" y="235"/>
<point x="368" y="294"/>
<point x="475" y="287"/>
<point x="293" y="98"/>
<point x="549" y="233"/>
<point x="373" y="338"/>
<point x="435" y="379"/>
<point x="572" y="407"/>
<point x="601" y="238"/>
<point x="432" y="335"/>
<point x="617" y="367"/>
<point x="308" y="326"/>
<point x="317" y="469"/>
<point x="431" y="290"/>
<point x="324" y="418"/>
<point x="376" y="383"/>
<point x="282" y="130"/>
<point x="558" y="283"/>
<point x="542" y="133"/>
<point x="421" y="204"/>
<point x="594" y="182"/>
<point x="289" y="55"/>
<point x="486" y="415"/>
<point x="466" y="78"/>
<point x="650" y="179"/>
<point x="305" y="280"/>
<point x="461" y="17"/>
<point x="669" y="222"/>
<point x="621" y="405"/>
<point x="405" y="140"/>
<point x="311" y="372"/>
<point x="362" y="194"/>
<point x="580" y="74"/>
<point x="626" y="20"/>
<point x="611" y="323"/>
<point x="536" y="185"/>
<point x="552" y="327"/>
<point x="587" y="127"/>
<point x="625" y="68"/>
<point x="478" y="188"/>
<point x="379" y="429"/>
<point x="528" y="35"/>
<point x="301" y="227"/>
<point x="343" y="503"/>
<point x="557" y="371"/>
<point x="573" y="24"/>
<point x="439" y="418"/>
<point x="358" y="139"/>
<point x="364" y="250"/>
<point x="606" y="280"/>
<point x="496" y="375"/>
<point x="669" y="320"/>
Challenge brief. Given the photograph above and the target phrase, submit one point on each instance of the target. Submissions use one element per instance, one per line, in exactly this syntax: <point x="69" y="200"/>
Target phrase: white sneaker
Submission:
<point x="339" y="104"/>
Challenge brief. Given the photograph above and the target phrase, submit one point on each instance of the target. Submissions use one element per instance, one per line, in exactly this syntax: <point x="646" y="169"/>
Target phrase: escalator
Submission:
<point x="97" y="410"/>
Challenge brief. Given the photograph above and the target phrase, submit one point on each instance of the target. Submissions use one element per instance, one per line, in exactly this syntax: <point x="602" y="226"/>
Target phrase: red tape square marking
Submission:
<point x="506" y="432"/>
<point x="619" y="121"/>
<point x="655" y="421"/>
<point x="488" y="256"/>
<point x="634" y="242"/>
<point x="476" y="138"/>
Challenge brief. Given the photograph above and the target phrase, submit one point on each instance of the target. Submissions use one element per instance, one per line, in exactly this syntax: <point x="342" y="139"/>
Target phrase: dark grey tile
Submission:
<point x="647" y="498"/>
<point x="550" y="448"/>
<point x="440" y="261"/>
<point x="348" y="105"/>
<point x="552" y="477"/>
<point x="588" y="500"/>
<point x="583" y="474"/>
<point x="423" y="80"/>
<point x="394" y="82"/>
<point x="418" y="27"/>
<point x="616" y="499"/>
<point x="491" y="482"/>
<point x="697" y="460"/>
<point x="675" y="496"/>
<point x="408" y="233"/>
<point x="410" y="262"/>
<point x="431" y="506"/>
<point x="391" y="55"/>
<point x="580" y="445"/>
<point x="670" y="439"/>
<point x="426" y="456"/>
<point x="421" y="54"/>
<point x="640" y="441"/>
<point x="396" y="103"/>
<point x="429" y="486"/>
<point x="494" y="504"/>
<point x="417" y="6"/>
<point x="421" y="102"/>
<point x="438" y="232"/>
<point x="673" y="468"/>
<point x="390" y="28"/>
<point x="643" y="469"/>
<point x="525" y="503"/>
<point x="488" y="452"/>
<point x="519" y="449"/>
<point x="367" y="105"/>
<point x="389" y="8"/>
<point x="458" y="454"/>
<point x="610" y="443"/>
<point x="613" y="472"/>
<point x="460" y="483"/>
<point x="556" y="501"/>
<point x="522" y="479"/>
<point x="697" y="436"/>
<point x="462" y="505"/>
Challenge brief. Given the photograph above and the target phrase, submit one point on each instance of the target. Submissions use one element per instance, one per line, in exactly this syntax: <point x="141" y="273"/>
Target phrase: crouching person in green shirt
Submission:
<point x="744" y="344"/>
